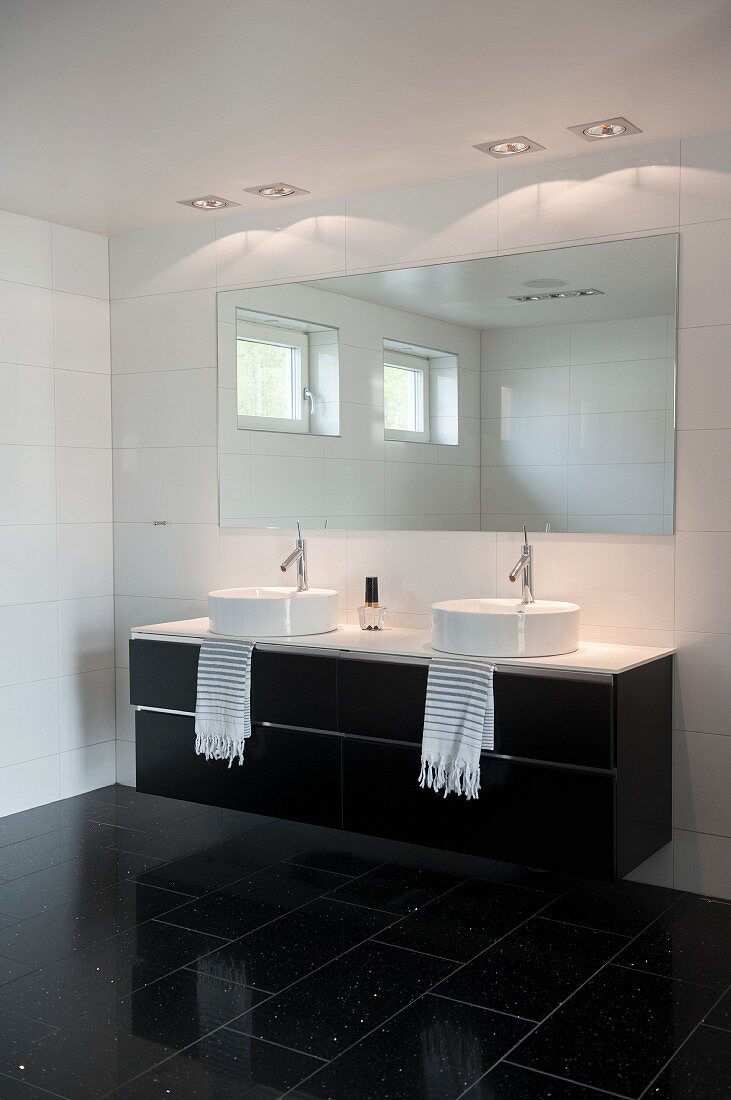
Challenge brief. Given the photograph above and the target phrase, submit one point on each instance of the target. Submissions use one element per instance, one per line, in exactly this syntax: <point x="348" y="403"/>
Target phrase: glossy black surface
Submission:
<point x="267" y="958"/>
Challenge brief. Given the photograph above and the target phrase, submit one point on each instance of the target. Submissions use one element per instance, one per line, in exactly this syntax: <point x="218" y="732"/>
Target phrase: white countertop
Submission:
<point x="591" y="657"/>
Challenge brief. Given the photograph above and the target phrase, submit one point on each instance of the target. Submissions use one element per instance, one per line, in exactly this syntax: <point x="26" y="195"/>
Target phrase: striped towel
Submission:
<point x="223" y="704"/>
<point x="459" y="722"/>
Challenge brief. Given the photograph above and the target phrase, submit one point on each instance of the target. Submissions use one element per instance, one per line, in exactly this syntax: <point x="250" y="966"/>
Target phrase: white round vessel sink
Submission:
<point x="272" y="612"/>
<point x="505" y="628"/>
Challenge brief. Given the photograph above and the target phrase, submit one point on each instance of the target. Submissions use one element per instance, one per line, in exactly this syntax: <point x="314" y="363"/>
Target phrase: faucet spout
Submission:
<point x="299" y="555"/>
<point x="524" y="568"/>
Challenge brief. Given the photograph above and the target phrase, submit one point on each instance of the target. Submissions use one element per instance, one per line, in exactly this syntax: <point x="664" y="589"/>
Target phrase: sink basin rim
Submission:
<point x="505" y="629"/>
<point x="260" y="611"/>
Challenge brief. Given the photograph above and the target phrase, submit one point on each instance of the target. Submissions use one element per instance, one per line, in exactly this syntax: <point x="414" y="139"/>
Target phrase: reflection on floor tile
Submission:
<point x="508" y="1082"/>
<point x="397" y="888"/>
<point x="622" y="907"/>
<point x="692" y="941"/>
<point x="701" y="1070"/>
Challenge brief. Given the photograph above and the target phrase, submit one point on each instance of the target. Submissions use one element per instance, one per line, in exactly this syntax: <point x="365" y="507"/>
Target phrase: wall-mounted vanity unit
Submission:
<point x="579" y="781"/>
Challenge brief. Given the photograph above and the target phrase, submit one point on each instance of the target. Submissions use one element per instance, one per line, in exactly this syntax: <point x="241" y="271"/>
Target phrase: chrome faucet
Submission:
<point x="299" y="555"/>
<point x="524" y="567"/>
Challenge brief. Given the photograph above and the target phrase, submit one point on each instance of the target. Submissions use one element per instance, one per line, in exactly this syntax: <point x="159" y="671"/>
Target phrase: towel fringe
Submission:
<point x="453" y="776"/>
<point x="220" y="745"/>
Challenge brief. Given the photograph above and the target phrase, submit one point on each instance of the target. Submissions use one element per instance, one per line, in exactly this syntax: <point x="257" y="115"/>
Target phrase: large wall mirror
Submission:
<point x="476" y="395"/>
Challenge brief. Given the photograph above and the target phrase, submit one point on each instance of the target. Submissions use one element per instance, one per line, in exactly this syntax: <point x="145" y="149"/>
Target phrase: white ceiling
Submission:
<point x="113" y="109"/>
<point x="637" y="279"/>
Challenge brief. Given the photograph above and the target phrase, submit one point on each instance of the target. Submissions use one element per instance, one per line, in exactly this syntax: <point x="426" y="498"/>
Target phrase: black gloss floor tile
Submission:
<point x="434" y="1048"/>
<point x="286" y="950"/>
<point x="397" y="888"/>
<point x="337" y="1005"/>
<point x="92" y="981"/>
<point x="18" y="1090"/>
<point x="253" y="901"/>
<point x="66" y="882"/>
<point x="466" y="920"/>
<point x="618" y="1031"/>
<point x="224" y="1066"/>
<point x="10" y="971"/>
<point x="692" y="941"/>
<point x="721" y="1015"/>
<point x="700" y="1071"/>
<point x="217" y="866"/>
<point x="6" y="920"/>
<point x="58" y="932"/>
<point x="533" y="969"/>
<point x="342" y="862"/>
<point x="77" y="838"/>
<point x="622" y="907"/>
<point x="514" y="875"/>
<point x="17" y="1032"/>
<point x="509" y="1082"/>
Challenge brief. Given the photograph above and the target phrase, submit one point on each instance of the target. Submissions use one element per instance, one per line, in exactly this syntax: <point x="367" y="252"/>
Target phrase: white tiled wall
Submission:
<point x="57" y="729"/>
<point x="633" y="587"/>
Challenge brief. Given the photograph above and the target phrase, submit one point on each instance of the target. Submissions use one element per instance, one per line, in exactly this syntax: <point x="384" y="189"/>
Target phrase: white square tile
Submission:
<point x="442" y="219"/>
<point x="467" y="451"/>
<point x="619" y="191"/>
<point x="80" y="262"/>
<point x="362" y="437"/>
<point x="273" y="245"/>
<point x="81" y="333"/>
<point x="25" y="249"/>
<point x="26" y="325"/>
<point x="85" y="566"/>
<point x="525" y="441"/>
<point x="702" y="863"/>
<point x="83" y="409"/>
<point x="87" y="709"/>
<point x="26" y="405"/>
<point x="703" y="683"/>
<point x="411" y="488"/>
<point x="133" y="611"/>
<point x="525" y="348"/>
<point x="705" y="275"/>
<point x="627" y="340"/>
<point x="126" y="770"/>
<point x="458" y="490"/>
<point x="303" y="303"/>
<point x="361" y="375"/>
<point x="232" y="440"/>
<point x="28" y="642"/>
<point x="179" y="561"/>
<point x="84" y="485"/>
<point x="125" y="712"/>
<point x="704" y="378"/>
<point x="164" y="332"/>
<point x="524" y="489"/>
<point x="27" y="485"/>
<point x="701" y="779"/>
<point x="618" y="580"/>
<point x="29" y="722"/>
<point x="617" y="437"/>
<point x="705" y="178"/>
<point x="618" y="489"/>
<point x="703" y="496"/>
<point x="360" y="324"/>
<point x="511" y="522"/>
<point x="235" y="490"/>
<point x="283" y="444"/>
<point x="410" y="328"/>
<point x="87" y="769"/>
<point x="353" y="488"/>
<point x="165" y="409"/>
<point x="253" y="558"/>
<point x="286" y="486"/>
<point x="175" y="484"/>
<point x="85" y="635"/>
<point x="617" y="523"/>
<point x="702" y="603"/>
<point x="462" y="342"/>
<point x="28" y="564"/>
<point x="32" y="783"/>
<point x="619" y="387"/>
<point x="540" y="391"/>
<point x="160" y="261"/>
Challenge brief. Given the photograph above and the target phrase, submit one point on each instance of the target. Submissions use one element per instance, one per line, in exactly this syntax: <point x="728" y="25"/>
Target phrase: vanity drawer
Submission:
<point x="163" y="674"/>
<point x="542" y="816"/>
<point x="568" y="721"/>
<point x="293" y="689"/>
<point x="286" y="773"/>
<point x="381" y="699"/>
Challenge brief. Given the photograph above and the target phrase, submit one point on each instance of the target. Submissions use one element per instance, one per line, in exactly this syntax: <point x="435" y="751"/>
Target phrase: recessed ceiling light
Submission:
<point x="208" y="202"/>
<point x="277" y="190"/>
<point x="508" y="147"/>
<point x="606" y="128"/>
<point x="555" y="295"/>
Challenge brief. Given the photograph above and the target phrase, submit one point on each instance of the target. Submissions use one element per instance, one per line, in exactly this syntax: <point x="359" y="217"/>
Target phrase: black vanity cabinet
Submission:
<point x="579" y="779"/>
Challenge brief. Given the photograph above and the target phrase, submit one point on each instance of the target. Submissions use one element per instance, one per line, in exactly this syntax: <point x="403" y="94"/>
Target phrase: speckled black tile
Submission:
<point x="65" y="882"/>
<point x="396" y="888"/>
<point x="91" y="981"/>
<point x="17" y="1032"/>
<point x="692" y="941"/>
<point x="618" y="1031"/>
<point x="10" y="971"/>
<point x="18" y="1090"/>
<point x="286" y="950"/>
<point x="466" y="920"/>
<point x="58" y="932"/>
<point x="42" y="819"/>
<point x="622" y="907"/>
<point x="515" y="875"/>
<point x="701" y="1070"/>
<point x="217" y="866"/>
<point x="253" y="901"/>
<point x="721" y="1015"/>
<point x="434" y="1048"/>
<point x="337" y="1005"/>
<point x="224" y="1066"/>
<point x="79" y="838"/>
<point x="6" y="920"/>
<point x="508" y="1082"/>
<point x="333" y="859"/>
<point x="533" y="969"/>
